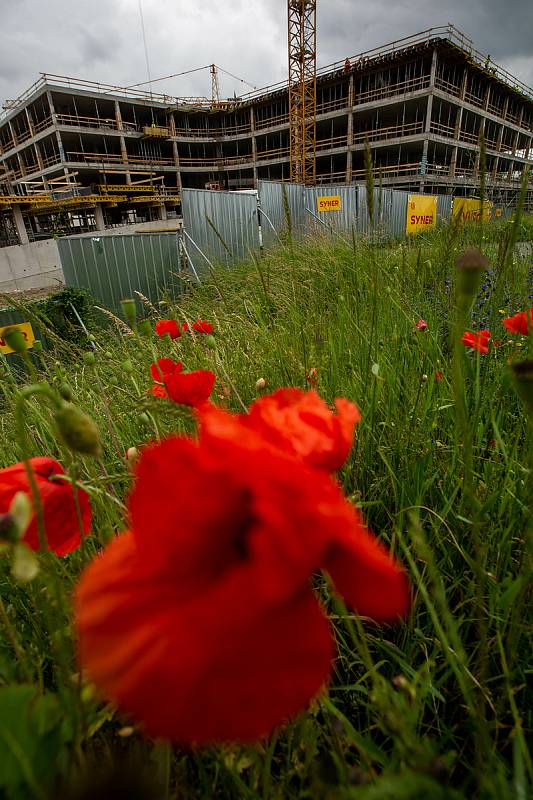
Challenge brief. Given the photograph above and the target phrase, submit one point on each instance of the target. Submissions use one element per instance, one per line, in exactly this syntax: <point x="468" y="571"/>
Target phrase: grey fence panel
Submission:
<point x="342" y="220"/>
<point x="398" y="214"/>
<point x="444" y="208"/>
<point x="274" y="217"/>
<point x="224" y="225"/>
<point x="115" y="267"/>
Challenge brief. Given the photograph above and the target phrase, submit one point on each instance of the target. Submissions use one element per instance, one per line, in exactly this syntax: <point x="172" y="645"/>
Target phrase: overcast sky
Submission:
<point x="101" y="40"/>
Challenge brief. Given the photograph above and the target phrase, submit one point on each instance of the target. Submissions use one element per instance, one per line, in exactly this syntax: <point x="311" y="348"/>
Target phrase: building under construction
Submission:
<point x="79" y="156"/>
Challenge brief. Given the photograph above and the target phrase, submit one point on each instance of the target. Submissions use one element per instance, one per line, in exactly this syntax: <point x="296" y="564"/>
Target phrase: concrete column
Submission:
<point x="175" y="152"/>
<point x="19" y="225"/>
<point x="487" y="98"/>
<point x="54" y="121"/>
<point x="349" y="133"/>
<point x="500" y="138"/>
<point x="123" y="149"/>
<point x="99" y="217"/>
<point x="163" y="212"/>
<point x="464" y="84"/>
<point x="12" y="132"/>
<point x="429" y="109"/>
<point x="30" y="120"/>
<point x="458" y="122"/>
<point x="433" y="69"/>
<point x="505" y="107"/>
<point x="254" y="145"/>
<point x="453" y="162"/>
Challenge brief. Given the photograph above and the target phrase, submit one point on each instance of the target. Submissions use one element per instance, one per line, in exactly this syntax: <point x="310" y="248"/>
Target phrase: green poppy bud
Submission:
<point x="89" y="358"/>
<point x="77" y="430"/>
<point x="129" y="311"/>
<point x="145" y="327"/>
<point x="38" y="346"/>
<point x="211" y="342"/>
<point x="65" y="390"/>
<point x="128" y="367"/>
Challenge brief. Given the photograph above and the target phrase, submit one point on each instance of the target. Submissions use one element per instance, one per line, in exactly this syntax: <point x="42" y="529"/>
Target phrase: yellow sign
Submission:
<point x="469" y="210"/>
<point x="332" y="203"/>
<point x="27" y="332"/>
<point x="421" y="213"/>
<point x="498" y="212"/>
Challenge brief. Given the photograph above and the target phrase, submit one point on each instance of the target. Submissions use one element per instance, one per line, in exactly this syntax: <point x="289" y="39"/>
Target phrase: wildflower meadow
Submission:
<point x="273" y="538"/>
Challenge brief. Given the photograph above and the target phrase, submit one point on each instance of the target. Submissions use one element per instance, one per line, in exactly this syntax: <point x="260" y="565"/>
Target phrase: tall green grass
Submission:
<point x="437" y="707"/>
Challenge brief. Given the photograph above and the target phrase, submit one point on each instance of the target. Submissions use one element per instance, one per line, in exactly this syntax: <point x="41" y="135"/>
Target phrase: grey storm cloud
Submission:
<point x="102" y="40"/>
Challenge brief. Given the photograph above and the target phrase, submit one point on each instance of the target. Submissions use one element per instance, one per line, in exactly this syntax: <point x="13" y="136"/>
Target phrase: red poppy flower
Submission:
<point x="185" y="326"/>
<point x="189" y="388"/>
<point x="519" y="323"/>
<point x="421" y="325"/>
<point x="202" y="326"/>
<point x="311" y="376"/>
<point x="438" y="376"/>
<point x="170" y="326"/>
<point x="296" y="422"/>
<point x="200" y="622"/>
<point x="164" y="366"/>
<point x="158" y="391"/>
<point x="57" y="497"/>
<point x="477" y="341"/>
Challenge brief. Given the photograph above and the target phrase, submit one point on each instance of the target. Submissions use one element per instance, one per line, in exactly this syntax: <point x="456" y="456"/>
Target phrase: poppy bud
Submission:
<point x="25" y="565"/>
<point x="89" y="359"/>
<point x="37" y="346"/>
<point x="65" y="390"/>
<point x="144" y="419"/>
<point x="14" y="338"/>
<point x="211" y="342"/>
<point x="132" y="456"/>
<point x="523" y="382"/>
<point x="108" y="354"/>
<point x="21" y="511"/>
<point x="128" y="367"/>
<point x="144" y="327"/>
<point x="77" y="430"/>
<point x="129" y="311"/>
<point x="260" y="384"/>
<point x="470" y="266"/>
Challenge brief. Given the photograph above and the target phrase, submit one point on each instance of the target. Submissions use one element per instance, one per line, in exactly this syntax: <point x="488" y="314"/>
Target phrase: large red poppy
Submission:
<point x="186" y="388"/>
<point x="170" y="326"/>
<point x="296" y="422"/>
<point x="477" y="341"/>
<point x="519" y="322"/>
<point x="202" y="326"/>
<point x="57" y="497"/>
<point x="200" y="621"/>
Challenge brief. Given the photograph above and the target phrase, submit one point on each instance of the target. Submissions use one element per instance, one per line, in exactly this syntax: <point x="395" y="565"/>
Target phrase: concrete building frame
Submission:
<point x="81" y="156"/>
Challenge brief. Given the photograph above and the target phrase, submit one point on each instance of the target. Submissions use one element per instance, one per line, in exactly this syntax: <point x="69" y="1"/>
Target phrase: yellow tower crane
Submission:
<point x="302" y="90"/>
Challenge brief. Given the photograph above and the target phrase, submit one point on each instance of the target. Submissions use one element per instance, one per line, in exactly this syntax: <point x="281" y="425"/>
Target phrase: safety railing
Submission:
<point x="382" y="92"/>
<point x="389" y="132"/>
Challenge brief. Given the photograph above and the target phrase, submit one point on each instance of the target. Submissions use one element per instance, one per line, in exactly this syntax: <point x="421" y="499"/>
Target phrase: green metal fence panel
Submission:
<point x="115" y="267"/>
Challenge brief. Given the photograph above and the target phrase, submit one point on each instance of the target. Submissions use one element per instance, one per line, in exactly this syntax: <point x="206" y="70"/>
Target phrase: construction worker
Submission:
<point x="347" y="65"/>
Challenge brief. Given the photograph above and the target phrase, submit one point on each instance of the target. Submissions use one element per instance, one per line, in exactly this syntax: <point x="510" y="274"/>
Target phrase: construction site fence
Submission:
<point x="113" y="268"/>
<point x="223" y="228"/>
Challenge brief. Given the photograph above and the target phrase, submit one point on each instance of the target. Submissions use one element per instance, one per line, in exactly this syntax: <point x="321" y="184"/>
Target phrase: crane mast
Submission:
<point x="302" y="90"/>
